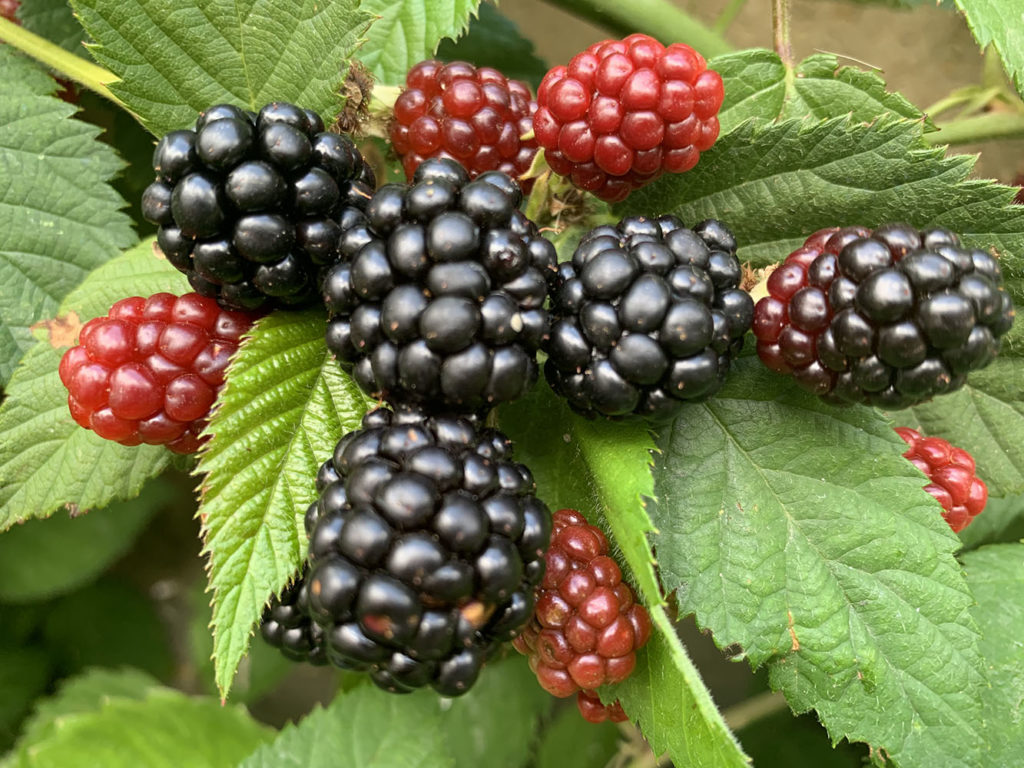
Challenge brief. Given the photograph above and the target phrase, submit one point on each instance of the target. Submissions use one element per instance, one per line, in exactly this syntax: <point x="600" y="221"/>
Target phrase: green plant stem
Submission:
<point x="657" y="18"/>
<point x="74" y="68"/>
<point x="728" y="16"/>
<point x="780" y="31"/>
<point x="988" y="127"/>
<point x="753" y="709"/>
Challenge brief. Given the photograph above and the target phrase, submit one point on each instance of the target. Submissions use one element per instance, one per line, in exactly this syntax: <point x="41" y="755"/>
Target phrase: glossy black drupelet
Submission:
<point x="286" y="625"/>
<point x="439" y="299"/>
<point x="250" y="207"/>
<point x="647" y="315"/>
<point x="427" y="544"/>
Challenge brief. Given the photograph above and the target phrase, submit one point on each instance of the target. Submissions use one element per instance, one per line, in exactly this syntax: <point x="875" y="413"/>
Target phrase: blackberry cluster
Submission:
<point x="150" y="370"/>
<point x="439" y="298"/>
<point x="646" y="315"/>
<point x="891" y="317"/>
<point x="951" y="470"/>
<point x="427" y="542"/>
<point x="474" y="115"/>
<point x="250" y="207"/>
<point x="286" y="625"/>
<point x="625" y="111"/>
<point x="587" y="626"/>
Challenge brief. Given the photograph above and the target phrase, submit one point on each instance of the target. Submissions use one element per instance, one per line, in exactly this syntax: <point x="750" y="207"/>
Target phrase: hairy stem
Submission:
<point x="780" y="31"/>
<point x="987" y="127"/>
<point x="74" y="68"/>
<point x="658" y="18"/>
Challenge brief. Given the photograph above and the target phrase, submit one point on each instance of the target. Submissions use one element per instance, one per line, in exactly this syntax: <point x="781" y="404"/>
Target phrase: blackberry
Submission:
<point x="286" y="625"/>
<point x="427" y="543"/>
<point x="890" y="318"/>
<point x="474" y="115"/>
<point x="648" y="314"/>
<point x="593" y="711"/>
<point x="250" y="206"/>
<point x="625" y="111"/>
<point x="439" y="300"/>
<point x="150" y="370"/>
<point x="587" y="625"/>
<point x="951" y="473"/>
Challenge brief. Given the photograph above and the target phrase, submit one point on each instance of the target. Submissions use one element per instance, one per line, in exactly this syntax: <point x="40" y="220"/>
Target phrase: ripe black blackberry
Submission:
<point x="427" y="545"/>
<point x="648" y="314"/>
<point x="439" y="299"/>
<point x="890" y="318"/>
<point x="250" y="206"/>
<point x="286" y="625"/>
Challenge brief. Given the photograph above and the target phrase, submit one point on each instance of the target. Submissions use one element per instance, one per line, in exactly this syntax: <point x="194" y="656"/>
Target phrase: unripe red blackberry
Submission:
<point x="473" y="115"/>
<point x="890" y="318"/>
<point x="427" y="544"/>
<point x="250" y="207"/>
<point x="587" y="625"/>
<point x="150" y="370"/>
<point x="647" y="315"/>
<point x="593" y="711"/>
<point x="625" y="111"/>
<point x="951" y="470"/>
<point x="439" y="301"/>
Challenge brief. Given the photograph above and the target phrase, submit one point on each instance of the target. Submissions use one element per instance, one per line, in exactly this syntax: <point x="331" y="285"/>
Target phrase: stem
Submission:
<point x="753" y="709"/>
<point x="780" y="31"/>
<point x="75" y="68"/>
<point x="728" y="16"/>
<point x="994" y="125"/>
<point x="658" y="18"/>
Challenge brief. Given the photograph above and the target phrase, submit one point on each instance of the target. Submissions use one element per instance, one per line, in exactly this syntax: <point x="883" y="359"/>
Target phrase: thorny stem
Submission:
<point x="780" y="31"/>
<point x="75" y="68"/>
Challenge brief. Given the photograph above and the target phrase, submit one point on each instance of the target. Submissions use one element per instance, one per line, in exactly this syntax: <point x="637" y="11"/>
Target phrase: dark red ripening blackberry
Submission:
<point x="476" y="116"/>
<point x="648" y="314"/>
<point x="439" y="298"/>
<point x="150" y="370"/>
<point x="250" y="206"/>
<point x="951" y="470"/>
<point x="593" y="711"/>
<point x="427" y="543"/>
<point x="890" y="318"/>
<point x="587" y="626"/>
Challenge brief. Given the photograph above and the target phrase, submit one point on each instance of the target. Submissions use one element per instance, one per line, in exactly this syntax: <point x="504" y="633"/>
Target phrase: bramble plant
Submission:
<point x="699" y="345"/>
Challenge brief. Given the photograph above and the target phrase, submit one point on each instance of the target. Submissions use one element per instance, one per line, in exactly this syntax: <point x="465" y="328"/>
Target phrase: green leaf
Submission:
<point x="996" y="577"/>
<point x="758" y="85"/>
<point x="59" y="216"/>
<point x="1001" y="521"/>
<point x="166" y="729"/>
<point x="177" y="57"/>
<point x="603" y="470"/>
<point x="572" y="742"/>
<point x="46" y="460"/>
<point x="285" y="405"/>
<point x="24" y="674"/>
<point x="41" y="559"/>
<point x="998" y="23"/>
<point x="815" y="175"/>
<point x="496" y="722"/>
<point x="406" y="32"/>
<point x="54" y="20"/>
<point x="797" y="531"/>
<point x="494" y="40"/>
<point x="367" y="728"/>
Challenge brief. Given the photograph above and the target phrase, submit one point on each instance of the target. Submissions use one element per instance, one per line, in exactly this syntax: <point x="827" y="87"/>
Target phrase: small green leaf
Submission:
<point x="996" y="577"/>
<point x="494" y="40"/>
<point x="46" y="460"/>
<point x="41" y="559"/>
<point x="285" y="405"/>
<point x="998" y="23"/>
<point x="59" y="216"/>
<point x="572" y="742"/>
<point x="166" y="729"/>
<point x="758" y="85"/>
<point x="54" y="20"/>
<point x="406" y="32"/>
<point x="177" y="57"/>
<point x="799" y="532"/>
<point x="367" y="728"/>
<point x="815" y="175"/>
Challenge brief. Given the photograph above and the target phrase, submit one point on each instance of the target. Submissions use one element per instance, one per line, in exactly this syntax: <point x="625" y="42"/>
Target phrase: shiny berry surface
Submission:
<point x="251" y="206"/>
<point x="647" y="315"/>
<point x="150" y="370"/>
<point x="473" y="115"/>
<point x="623" y="112"/>
<point x="593" y="711"/>
<point x="890" y="318"/>
<point x="286" y="625"/>
<point x="951" y="470"/>
<point x="587" y="625"/>
<point x="426" y="544"/>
